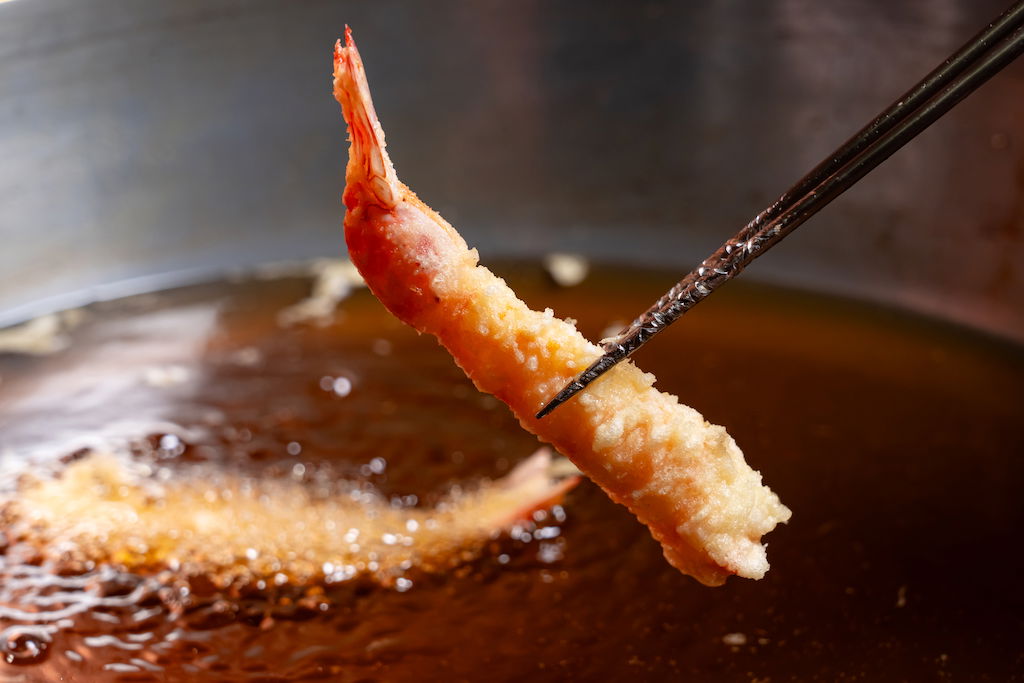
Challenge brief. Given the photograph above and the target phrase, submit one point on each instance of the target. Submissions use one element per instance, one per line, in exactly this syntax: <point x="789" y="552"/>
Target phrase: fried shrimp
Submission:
<point x="216" y="523"/>
<point x="681" y="476"/>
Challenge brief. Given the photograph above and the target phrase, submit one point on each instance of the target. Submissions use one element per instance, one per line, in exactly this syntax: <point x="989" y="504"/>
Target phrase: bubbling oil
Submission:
<point x="895" y="440"/>
<point x="313" y="526"/>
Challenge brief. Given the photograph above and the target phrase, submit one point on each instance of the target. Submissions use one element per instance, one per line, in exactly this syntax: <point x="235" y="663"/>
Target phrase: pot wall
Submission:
<point x="155" y="139"/>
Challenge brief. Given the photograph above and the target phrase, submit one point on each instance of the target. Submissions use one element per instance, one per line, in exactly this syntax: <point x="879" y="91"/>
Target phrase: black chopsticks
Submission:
<point x="958" y="76"/>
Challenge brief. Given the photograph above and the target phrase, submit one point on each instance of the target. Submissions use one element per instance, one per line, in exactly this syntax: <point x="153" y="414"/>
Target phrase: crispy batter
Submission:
<point x="681" y="476"/>
<point x="216" y="523"/>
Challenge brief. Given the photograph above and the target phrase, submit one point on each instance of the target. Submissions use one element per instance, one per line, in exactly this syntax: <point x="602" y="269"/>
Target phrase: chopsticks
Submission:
<point x="937" y="93"/>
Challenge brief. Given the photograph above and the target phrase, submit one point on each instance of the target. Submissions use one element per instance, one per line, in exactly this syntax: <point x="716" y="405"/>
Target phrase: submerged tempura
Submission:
<point x="211" y="522"/>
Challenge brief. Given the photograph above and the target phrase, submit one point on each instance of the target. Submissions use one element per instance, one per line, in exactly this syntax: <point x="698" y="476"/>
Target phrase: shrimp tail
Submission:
<point x="535" y="484"/>
<point x="370" y="176"/>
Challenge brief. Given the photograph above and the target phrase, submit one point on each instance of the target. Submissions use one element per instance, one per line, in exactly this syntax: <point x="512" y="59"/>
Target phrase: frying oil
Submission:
<point x="895" y="440"/>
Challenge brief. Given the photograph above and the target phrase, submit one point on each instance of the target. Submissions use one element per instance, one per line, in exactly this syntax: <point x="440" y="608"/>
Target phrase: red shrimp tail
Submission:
<point x="538" y="486"/>
<point x="369" y="176"/>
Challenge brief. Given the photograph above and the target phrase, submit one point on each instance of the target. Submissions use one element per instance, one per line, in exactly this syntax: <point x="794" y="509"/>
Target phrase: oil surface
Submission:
<point x="895" y="441"/>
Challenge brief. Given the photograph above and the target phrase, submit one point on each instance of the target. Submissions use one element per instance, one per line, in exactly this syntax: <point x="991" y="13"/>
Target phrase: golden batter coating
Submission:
<point x="681" y="476"/>
<point x="210" y="521"/>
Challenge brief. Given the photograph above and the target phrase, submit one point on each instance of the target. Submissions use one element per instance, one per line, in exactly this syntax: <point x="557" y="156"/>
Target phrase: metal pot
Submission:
<point x="143" y="143"/>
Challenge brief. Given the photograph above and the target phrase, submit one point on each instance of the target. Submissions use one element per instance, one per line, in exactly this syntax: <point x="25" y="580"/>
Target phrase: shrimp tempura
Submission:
<point x="682" y="477"/>
<point x="217" y="523"/>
